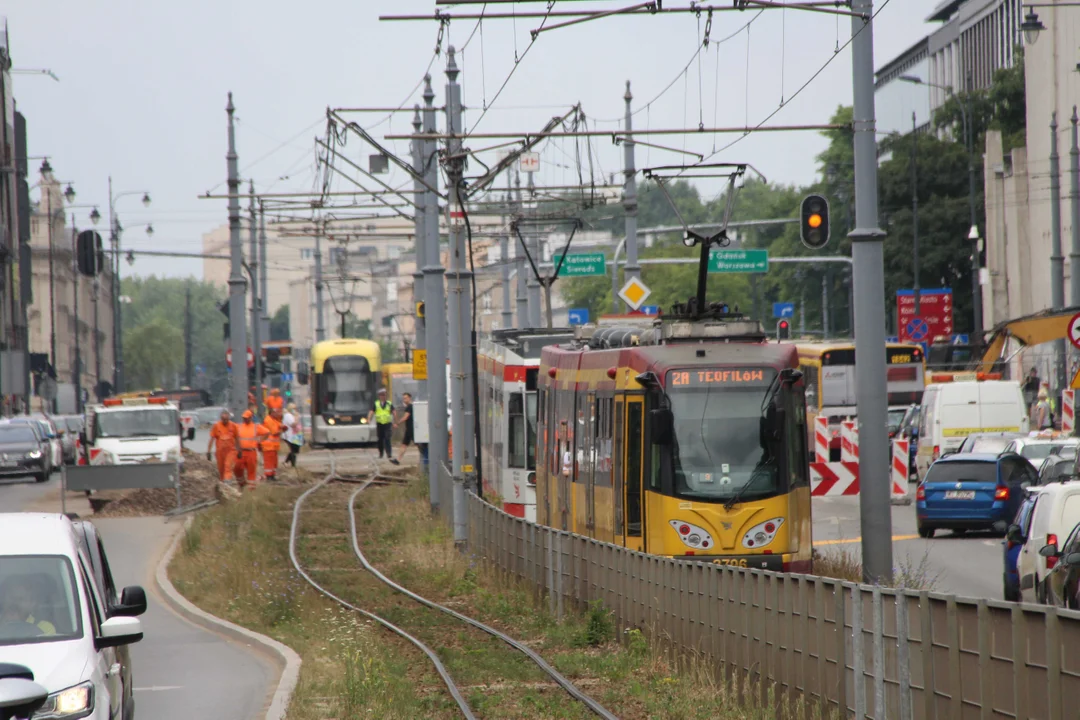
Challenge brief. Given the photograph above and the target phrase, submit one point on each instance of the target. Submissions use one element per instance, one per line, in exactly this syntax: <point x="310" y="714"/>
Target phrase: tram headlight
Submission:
<point x="762" y="534"/>
<point x="692" y="536"/>
<point x="330" y="421"/>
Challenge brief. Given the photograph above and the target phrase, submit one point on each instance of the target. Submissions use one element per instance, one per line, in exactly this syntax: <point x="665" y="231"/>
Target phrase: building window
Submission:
<point x="305" y="253"/>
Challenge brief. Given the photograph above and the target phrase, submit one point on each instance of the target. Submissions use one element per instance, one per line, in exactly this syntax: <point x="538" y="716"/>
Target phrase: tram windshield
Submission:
<point x="346" y="385"/>
<point x="716" y="445"/>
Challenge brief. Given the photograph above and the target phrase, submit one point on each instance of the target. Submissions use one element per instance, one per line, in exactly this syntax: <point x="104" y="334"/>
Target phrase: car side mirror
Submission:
<point x="132" y="602"/>
<point x="191" y="433"/>
<point x="1048" y="551"/>
<point x="662" y="424"/>
<point x="20" y="697"/>
<point x="119" y="630"/>
<point x="1072" y="559"/>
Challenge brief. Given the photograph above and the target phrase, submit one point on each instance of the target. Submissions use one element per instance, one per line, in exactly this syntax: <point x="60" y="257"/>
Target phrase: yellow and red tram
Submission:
<point x="685" y="438"/>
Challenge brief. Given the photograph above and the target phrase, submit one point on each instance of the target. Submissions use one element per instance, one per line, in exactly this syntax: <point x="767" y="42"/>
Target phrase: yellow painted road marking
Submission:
<point x="844" y="541"/>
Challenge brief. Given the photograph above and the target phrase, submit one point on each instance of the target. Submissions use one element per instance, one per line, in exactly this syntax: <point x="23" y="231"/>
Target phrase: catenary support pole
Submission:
<point x="504" y="253"/>
<point x="320" y="309"/>
<point x="187" y="335"/>
<point x="95" y="293"/>
<point x="915" y="217"/>
<point x="419" y="223"/>
<point x="237" y="283"/>
<point x="264" y="283"/>
<point x="77" y="372"/>
<point x="825" y="305"/>
<point x="976" y="264"/>
<point x="52" y="285"/>
<point x="532" y="238"/>
<point x="630" y="205"/>
<point x="459" y="298"/>
<point x="523" y="271"/>
<point x="435" y="308"/>
<point x="868" y="278"/>
<point x="1057" y="260"/>
<point x="1074" y="200"/>
<point x="256" y="315"/>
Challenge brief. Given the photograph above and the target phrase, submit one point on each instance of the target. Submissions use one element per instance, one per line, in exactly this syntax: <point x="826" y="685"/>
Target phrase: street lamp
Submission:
<point x="973" y="235"/>
<point x="114" y="242"/>
<point x="149" y="230"/>
<point x="95" y="216"/>
<point x="1031" y="26"/>
<point x="69" y="193"/>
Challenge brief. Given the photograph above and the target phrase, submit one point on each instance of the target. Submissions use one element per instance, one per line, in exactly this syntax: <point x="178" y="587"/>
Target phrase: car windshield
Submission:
<point x="153" y="422"/>
<point x="74" y="424"/>
<point x="346" y="385"/>
<point x="896" y="418"/>
<point x="17" y="436"/>
<point x="1036" y="452"/>
<point x="954" y="472"/>
<point x="716" y="448"/>
<point x="990" y="444"/>
<point x="38" y="600"/>
<point x="1056" y="471"/>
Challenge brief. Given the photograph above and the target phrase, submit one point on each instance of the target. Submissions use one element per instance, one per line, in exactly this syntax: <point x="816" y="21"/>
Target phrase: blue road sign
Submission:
<point x="578" y="316"/>
<point x="917" y="329"/>
<point x="783" y="310"/>
<point x="200" y="369"/>
<point x="892" y="339"/>
<point x="960" y="339"/>
<point x="286" y="377"/>
<point x="650" y="309"/>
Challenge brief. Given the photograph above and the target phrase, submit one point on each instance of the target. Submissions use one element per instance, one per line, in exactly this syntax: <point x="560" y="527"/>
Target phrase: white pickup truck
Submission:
<point x="130" y="431"/>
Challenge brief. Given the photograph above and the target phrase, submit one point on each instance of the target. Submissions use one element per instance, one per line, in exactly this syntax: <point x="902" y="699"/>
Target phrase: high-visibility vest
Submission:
<point x="274" y="426"/>
<point x="275" y="402"/>
<point x="248" y="436"/>
<point x="224" y="435"/>
<point x="382" y="412"/>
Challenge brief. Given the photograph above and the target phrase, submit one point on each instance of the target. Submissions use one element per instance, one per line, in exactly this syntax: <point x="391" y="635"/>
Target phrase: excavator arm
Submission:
<point x="1035" y="329"/>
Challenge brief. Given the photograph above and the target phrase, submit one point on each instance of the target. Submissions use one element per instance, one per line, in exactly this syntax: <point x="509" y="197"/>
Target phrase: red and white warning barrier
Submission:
<point x="821" y="439"/>
<point x="849" y="441"/>
<point x="1068" y="410"/>
<point x="832" y="479"/>
<point x="901" y="462"/>
<point x="97" y="457"/>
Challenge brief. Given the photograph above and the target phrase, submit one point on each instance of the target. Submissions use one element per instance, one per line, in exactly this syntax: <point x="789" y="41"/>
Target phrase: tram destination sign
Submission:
<point x="739" y="261"/>
<point x="718" y="377"/>
<point x="582" y="265"/>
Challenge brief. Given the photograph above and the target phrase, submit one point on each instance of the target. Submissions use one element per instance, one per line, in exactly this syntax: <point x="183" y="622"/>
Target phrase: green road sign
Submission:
<point x="582" y="265"/>
<point x="739" y="261"/>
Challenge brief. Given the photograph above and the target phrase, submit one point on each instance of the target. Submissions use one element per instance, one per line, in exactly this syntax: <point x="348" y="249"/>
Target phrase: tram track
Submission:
<point x="363" y="481"/>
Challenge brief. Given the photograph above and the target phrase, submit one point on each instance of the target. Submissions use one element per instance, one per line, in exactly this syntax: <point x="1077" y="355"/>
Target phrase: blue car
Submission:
<point x="972" y="491"/>
<point x="1013" y="544"/>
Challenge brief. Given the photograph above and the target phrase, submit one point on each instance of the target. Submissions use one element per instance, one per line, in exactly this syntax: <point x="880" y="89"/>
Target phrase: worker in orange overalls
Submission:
<point x="272" y="443"/>
<point x="249" y="434"/>
<point x="274" y="401"/>
<point x="224" y="435"/>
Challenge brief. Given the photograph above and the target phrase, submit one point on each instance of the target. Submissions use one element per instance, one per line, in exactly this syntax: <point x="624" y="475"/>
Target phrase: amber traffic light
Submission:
<point x="814" y="222"/>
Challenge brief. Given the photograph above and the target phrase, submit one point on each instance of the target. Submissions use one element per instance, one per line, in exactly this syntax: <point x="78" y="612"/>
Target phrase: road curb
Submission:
<point x="290" y="673"/>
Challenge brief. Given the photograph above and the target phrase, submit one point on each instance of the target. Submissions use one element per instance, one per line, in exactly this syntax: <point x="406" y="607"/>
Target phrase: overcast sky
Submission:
<point x="143" y="86"/>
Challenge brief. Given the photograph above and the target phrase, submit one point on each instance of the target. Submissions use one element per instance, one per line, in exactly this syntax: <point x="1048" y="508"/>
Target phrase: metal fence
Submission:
<point x="806" y="646"/>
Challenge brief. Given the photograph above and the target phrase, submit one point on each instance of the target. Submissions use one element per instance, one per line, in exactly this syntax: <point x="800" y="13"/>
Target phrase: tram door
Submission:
<point x="633" y="464"/>
<point x="617" y="484"/>
<point x="588" y="466"/>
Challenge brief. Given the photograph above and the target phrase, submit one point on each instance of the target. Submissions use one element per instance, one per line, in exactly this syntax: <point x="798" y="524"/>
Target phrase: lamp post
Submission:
<point x="114" y="243"/>
<point x="51" y="216"/>
<point x="973" y="233"/>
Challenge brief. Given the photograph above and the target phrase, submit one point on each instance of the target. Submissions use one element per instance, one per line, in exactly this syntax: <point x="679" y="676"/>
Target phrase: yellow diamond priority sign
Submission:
<point x="634" y="293"/>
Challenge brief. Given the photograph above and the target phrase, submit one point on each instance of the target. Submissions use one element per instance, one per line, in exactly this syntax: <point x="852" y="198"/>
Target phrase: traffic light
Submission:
<point x="783" y="330"/>
<point x="814" y="222"/>
<point x="88" y="253"/>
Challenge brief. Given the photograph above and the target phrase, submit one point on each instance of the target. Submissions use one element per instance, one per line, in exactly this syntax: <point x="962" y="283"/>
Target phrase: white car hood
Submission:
<point x="56" y="665"/>
<point x="139" y="445"/>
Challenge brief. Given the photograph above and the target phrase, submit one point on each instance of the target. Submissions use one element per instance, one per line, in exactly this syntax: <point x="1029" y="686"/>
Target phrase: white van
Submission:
<point x="951" y="411"/>
<point x="1056" y="513"/>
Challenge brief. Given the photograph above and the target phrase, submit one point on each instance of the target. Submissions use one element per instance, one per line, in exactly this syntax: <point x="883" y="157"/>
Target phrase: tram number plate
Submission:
<point x="736" y="562"/>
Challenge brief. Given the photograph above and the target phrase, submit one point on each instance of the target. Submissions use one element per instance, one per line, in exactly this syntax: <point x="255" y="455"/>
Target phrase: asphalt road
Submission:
<point x="19" y="493"/>
<point x="180" y="671"/>
<point x="969" y="565"/>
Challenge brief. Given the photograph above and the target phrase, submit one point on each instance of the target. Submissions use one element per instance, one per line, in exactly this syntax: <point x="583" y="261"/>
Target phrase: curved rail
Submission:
<point x="439" y="667"/>
<point x="554" y="674"/>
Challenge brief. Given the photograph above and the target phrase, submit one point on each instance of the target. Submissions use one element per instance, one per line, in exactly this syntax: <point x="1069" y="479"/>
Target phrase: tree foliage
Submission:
<point x="279" y="324"/>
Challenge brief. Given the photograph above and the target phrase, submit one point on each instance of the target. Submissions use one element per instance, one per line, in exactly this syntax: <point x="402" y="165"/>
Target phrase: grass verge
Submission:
<point x="234" y="563"/>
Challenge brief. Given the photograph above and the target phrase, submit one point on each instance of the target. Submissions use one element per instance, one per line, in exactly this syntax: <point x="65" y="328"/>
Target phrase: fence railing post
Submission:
<point x="903" y="654"/>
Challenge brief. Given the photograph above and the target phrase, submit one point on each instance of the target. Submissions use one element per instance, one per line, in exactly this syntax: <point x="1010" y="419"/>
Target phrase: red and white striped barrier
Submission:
<point x="849" y="442"/>
<point x="821" y="439"/>
<point x="901" y="461"/>
<point x="834" y="479"/>
<point x="97" y="457"/>
<point x="1068" y="410"/>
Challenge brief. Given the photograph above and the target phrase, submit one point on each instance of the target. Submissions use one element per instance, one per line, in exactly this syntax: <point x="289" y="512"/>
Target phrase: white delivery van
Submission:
<point x="1056" y="513"/>
<point x="953" y="410"/>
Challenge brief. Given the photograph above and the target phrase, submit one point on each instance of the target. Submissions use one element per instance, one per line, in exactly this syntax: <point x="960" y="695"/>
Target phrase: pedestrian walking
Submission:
<point x="271" y="446"/>
<point x="249" y="435"/>
<point x="274" y="401"/>
<point x="1031" y="388"/>
<point x="293" y="435"/>
<point x="406" y="420"/>
<point x="225" y="435"/>
<point x="1041" y="415"/>
<point x="383" y="414"/>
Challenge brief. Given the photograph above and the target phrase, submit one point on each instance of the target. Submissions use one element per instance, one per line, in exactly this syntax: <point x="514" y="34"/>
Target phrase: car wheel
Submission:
<point x="41" y="477"/>
<point x="925" y="532"/>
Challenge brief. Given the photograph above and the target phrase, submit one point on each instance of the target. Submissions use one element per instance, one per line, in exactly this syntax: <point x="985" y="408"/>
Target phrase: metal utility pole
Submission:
<point x="419" y="223"/>
<point x="237" y="284"/>
<point x="187" y="335"/>
<point x="264" y="284"/>
<point x="1074" y="199"/>
<point x="95" y="291"/>
<point x="253" y="263"/>
<point x="1057" y="260"/>
<point x="915" y="214"/>
<point x="52" y="292"/>
<point x="868" y="277"/>
<point x="320" y="311"/>
<point x="459" y="299"/>
<point x="973" y="234"/>
<point x="77" y="372"/>
<point x="825" y="306"/>
<point x="504" y="248"/>
<point x="532" y="237"/>
<point x="630" y="206"/>
<point x="523" y="272"/>
<point x="434" y="308"/>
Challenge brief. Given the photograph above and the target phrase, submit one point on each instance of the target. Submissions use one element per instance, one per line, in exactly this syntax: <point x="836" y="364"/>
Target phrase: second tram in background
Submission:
<point x="508" y="367"/>
<point x="345" y="376"/>
<point x="684" y="438"/>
